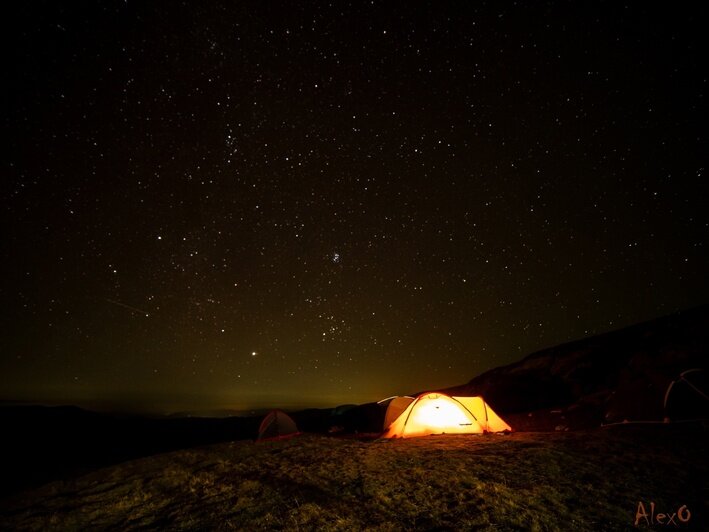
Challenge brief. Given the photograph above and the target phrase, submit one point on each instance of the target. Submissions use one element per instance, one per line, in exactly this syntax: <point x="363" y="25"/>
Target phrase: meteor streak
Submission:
<point x="133" y="309"/>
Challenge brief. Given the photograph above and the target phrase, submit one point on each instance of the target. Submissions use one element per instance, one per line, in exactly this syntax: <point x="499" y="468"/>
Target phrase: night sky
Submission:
<point x="242" y="204"/>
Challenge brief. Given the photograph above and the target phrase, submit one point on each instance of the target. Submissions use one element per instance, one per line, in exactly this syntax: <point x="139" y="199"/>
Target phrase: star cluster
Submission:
<point x="243" y="204"/>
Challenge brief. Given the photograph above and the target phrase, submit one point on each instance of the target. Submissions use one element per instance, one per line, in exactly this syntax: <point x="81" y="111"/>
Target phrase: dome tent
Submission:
<point x="277" y="425"/>
<point x="437" y="413"/>
<point x="687" y="397"/>
<point x="395" y="406"/>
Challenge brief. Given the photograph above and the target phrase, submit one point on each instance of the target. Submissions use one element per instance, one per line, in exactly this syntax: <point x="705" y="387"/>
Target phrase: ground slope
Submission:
<point x="586" y="480"/>
<point x="612" y="377"/>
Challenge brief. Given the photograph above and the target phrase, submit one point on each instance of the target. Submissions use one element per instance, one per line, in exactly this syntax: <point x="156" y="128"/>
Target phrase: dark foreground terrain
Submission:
<point x="586" y="480"/>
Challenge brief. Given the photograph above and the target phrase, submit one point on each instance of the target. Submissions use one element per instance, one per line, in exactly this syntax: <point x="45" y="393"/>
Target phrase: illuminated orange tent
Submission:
<point x="437" y="413"/>
<point x="395" y="406"/>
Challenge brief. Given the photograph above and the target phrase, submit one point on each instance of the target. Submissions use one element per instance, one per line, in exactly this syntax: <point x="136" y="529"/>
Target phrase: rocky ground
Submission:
<point x="586" y="480"/>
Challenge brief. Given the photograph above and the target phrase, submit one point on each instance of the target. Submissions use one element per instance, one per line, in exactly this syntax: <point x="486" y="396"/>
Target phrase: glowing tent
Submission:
<point x="395" y="406"/>
<point x="277" y="425"/>
<point x="437" y="413"/>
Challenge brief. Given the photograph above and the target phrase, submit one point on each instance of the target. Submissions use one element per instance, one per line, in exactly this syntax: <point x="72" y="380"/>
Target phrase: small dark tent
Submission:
<point x="276" y="425"/>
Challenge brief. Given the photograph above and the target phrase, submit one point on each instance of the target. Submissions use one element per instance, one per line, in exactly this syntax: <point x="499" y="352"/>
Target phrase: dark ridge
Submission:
<point x="613" y="377"/>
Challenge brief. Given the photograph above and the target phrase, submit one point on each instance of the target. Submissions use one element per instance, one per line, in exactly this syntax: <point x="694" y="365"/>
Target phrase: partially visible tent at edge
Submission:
<point x="687" y="397"/>
<point x="277" y="425"/>
<point x="437" y="413"/>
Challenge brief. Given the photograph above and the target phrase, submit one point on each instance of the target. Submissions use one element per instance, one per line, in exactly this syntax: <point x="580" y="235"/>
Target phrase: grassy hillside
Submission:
<point x="586" y="480"/>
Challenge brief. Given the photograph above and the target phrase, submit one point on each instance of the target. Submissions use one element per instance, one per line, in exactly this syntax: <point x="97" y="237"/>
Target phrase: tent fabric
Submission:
<point x="277" y="424"/>
<point x="486" y="416"/>
<point x="437" y="413"/>
<point x="687" y="397"/>
<point x="395" y="408"/>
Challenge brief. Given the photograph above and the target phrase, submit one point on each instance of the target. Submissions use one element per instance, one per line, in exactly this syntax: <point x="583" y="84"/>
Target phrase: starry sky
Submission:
<point x="247" y="204"/>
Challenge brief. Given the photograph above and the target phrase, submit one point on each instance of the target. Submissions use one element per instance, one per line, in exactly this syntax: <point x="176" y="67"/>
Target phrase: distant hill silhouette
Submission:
<point x="612" y="377"/>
